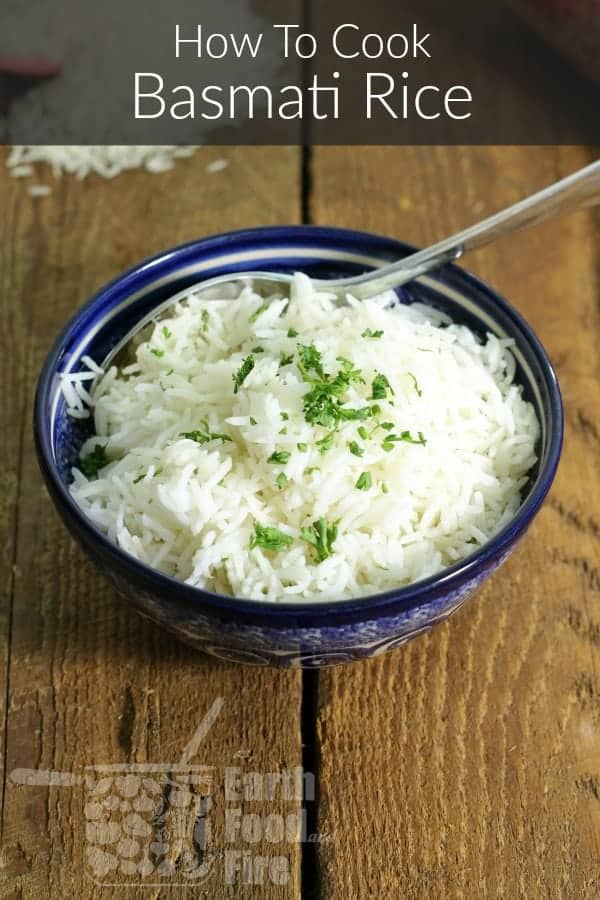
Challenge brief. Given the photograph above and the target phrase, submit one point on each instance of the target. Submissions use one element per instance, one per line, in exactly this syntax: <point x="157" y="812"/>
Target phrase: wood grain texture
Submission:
<point x="467" y="764"/>
<point x="87" y="681"/>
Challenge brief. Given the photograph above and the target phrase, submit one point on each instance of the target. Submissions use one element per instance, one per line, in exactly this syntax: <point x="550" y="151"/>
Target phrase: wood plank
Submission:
<point x="16" y="227"/>
<point x="89" y="682"/>
<point x="467" y="764"/>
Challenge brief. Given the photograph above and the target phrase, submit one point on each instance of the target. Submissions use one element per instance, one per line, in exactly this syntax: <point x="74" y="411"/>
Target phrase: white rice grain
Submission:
<point x="189" y="505"/>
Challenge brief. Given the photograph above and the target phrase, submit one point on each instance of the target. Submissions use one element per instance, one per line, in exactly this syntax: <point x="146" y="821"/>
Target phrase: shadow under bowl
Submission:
<point x="300" y="634"/>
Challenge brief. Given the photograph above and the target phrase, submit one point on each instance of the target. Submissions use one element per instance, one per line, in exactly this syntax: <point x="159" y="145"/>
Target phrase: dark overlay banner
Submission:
<point x="299" y="71"/>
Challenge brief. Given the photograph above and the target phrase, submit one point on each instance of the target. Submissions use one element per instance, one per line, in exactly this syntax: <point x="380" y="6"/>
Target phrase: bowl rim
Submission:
<point x="401" y="598"/>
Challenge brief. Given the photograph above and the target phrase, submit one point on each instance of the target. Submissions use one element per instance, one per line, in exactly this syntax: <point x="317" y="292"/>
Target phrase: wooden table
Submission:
<point x="467" y="763"/>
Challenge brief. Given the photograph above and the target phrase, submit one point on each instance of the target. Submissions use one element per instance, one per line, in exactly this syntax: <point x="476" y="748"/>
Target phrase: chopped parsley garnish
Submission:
<point x="139" y="478"/>
<point x="204" y="320"/>
<point x="369" y="333"/>
<point x="391" y="439"/>
<point x="170" y="372"/>
<point x="384" y="488"/>
<point x="366" y="435"/>
<point x="91" y="464"/>
<point x="253" y="421"/>
<point x="292" y="333"/>
<point x="269" y="538"/>
<point x="380" y="387"/>
<point x="283" y="430"/>
<point x="416" y="384"/>
<point x="258" y="349"/>
<point x="320" y="535"/>
<point x="365" y="482"/>
<point x="326" y="443"/>
<point x="279" y="457"/>
<point x="312" y="469"/>
<point x="242" y="373"/>
<point x="285" y="416"/>
<point x="355" y="448"/>
<point x="310" y="359"/>
<point x="302" y="447"/>
<point x="261" y="309"/>
<point x="355" y="415"/>
<point x="286" y="359"/>
<point x="323" y="404"/>
<point x="157" y="352"/>
<point x="165" y="332"/>
<point x="320" y="406"/>
<point x="281" y="480"/>
<point x="348" y="373"/>
<point x="204" y="436"/>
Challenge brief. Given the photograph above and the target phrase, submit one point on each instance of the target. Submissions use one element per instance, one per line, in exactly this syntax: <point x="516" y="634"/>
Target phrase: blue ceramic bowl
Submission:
<point x="286" y="634"/>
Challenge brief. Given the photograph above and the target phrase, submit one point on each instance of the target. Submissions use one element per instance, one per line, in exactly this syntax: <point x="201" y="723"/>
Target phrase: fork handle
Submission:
<point x="582" y="188"/>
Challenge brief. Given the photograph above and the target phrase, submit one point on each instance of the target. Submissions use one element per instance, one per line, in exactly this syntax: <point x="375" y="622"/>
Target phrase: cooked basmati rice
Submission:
<point x="39" y="190"/>
<point x="107" y="160"/>
<point x="460" y="442"/>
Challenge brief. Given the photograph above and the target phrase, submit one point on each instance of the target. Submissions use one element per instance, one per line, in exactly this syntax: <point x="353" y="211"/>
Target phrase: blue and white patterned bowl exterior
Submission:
<point x="286" y="634"/>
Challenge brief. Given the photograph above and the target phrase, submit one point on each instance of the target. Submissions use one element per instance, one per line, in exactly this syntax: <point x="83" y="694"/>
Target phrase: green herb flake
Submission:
<point x="258" y="349"/>
<point x="203" y="437"/>
<point x="282" y="430"/>
<point x="204" y="316"/>
<point x="166" y="333"/>
<point x="321" y="535"/>
<point x="261" y="309"/>
<point x="279" y="457"/>
<point x="323" y="404"/>
<point x="91" y="464"/>
<point x="285" y="416"/>
<point x="269" y="538"/>
<point x="387" y="426"/>
<point x="380" y="387"/>
<point x="384" y="488"/>
<point x="365" y="482"/>
<point x="310" y="360"/>
<point x="242" y="373"/>
<point x="292" y="333"/>
<point x="253" y="421"/>
<point x="355" y="448"/>
<point x="281" y="480"/>
<point x="363" y="433"/>
<point x="415" y="384"/>
<point x="347" y="374"/>
<point x="170" y="372"/>
<point x="405" y="436"/>
<point x="369" y="333"/>
<point x="312" y="469"/>
<point x="354" y="415"/>
<point x="139" y="478"/>
<point x="158" y="472"/>
<point x="302" y="447"/>
<point x="286" y="359"/>
<point x="326" y="443"/>
<point x="157" y="352"/>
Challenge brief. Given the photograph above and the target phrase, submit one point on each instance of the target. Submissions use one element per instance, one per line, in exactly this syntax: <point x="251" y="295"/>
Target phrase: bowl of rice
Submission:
<point x="296" y="481"/>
